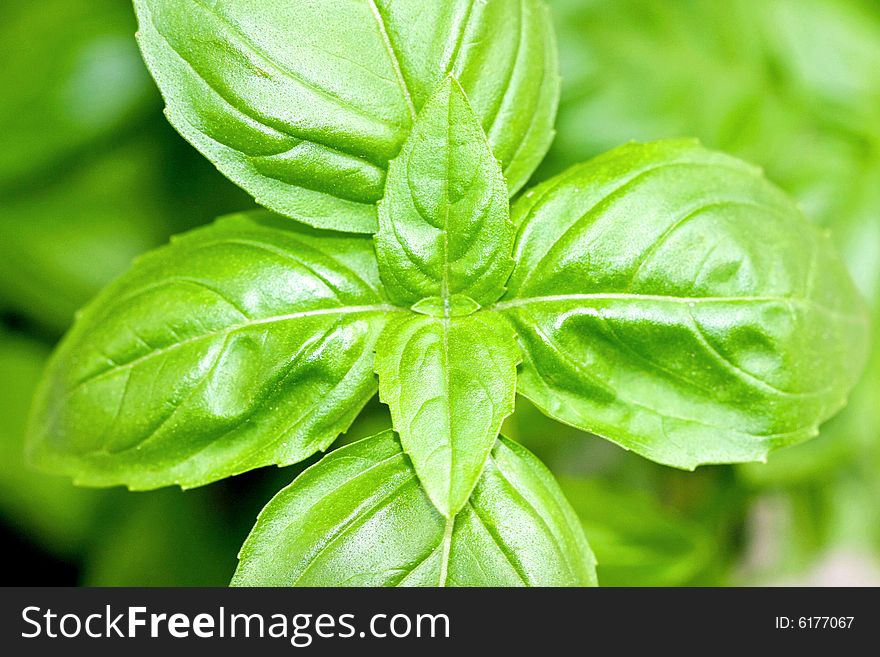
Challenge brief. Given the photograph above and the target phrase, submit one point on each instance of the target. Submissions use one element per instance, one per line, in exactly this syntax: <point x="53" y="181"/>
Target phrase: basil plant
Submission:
<point x="663" y="296"/>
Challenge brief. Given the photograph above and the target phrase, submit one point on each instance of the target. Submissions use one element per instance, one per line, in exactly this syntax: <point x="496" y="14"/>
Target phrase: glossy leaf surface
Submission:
<point x="450" y="383"/>
<point x="360" y="518"/>
<point x="246" y="343"/>
<point x="670" y="299"/>
<point x="304" y="104"/>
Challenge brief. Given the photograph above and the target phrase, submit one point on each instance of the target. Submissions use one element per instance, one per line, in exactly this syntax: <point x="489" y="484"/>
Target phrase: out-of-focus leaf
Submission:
<point x="747" y="76"/>
<point x="44" y="508"/>
<point x="87" y="178"/>
<point x="750" y="77"/>
<point x="61" y="242"/>
<point x="815" y="460"/>
<point x="163" y="538"/>
<point x="828" y="55"/>
<point x="71" y="74"/>
<point x="636" y="541"/>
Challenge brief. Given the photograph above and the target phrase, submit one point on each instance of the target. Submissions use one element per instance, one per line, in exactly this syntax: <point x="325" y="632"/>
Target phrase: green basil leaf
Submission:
<point x="360" y="518"/>
<point x="71" y="76"/>
<point x="246" y="343"/>
<point x="848" y="447"/>
<point x="448" y="411"/>
<point x="304" y="104"/>
<point x="444" y="223"/>
<point x="671" y="300"/>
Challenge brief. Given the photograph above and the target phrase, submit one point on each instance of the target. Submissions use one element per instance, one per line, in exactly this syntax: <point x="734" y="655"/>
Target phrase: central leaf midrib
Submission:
<point x="395" y="59"/>
<point x="444" y="282"/>
<point x="628" y="296"/>
<point x="227" y="330"/>
<point x="445" y="296"/>
<point x="446" y="547"/>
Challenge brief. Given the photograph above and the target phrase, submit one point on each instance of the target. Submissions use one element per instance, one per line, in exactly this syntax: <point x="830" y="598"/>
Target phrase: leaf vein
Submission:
<point x="395" y="59"/>
<point x="338" y="310"/>
<point x="492" y="532"/>
<point x="352" y="524"/>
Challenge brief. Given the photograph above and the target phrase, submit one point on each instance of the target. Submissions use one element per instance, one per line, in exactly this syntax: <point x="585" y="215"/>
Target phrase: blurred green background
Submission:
<point x="91" y="175"/>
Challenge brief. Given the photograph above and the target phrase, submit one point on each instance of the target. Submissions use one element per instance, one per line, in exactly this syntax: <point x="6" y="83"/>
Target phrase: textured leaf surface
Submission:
<point x="304" y="103"/>
<point x="450" y="383"/>
<point x="444" y="223"/>
<point x="246" y="343"/>
<point x="360" y="518"/>
<point x="671" y="300"/>
<point x="791" y="85"/>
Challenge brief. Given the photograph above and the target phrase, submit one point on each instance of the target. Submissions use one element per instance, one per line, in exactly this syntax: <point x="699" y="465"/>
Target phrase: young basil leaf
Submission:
<point x="448" y="411"/>
<point x="304" y="104"/>
<point x="246" y="343"/>
<point x="360" y="518"/>
<point x="444" y="223"/>
<point x="670" y="299"/>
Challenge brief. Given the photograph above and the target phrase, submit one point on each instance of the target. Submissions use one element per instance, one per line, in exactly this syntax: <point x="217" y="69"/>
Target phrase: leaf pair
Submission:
<point x="444" y="245"/>
<point x="517" y="529"/>
<point x="303" y="104"/>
